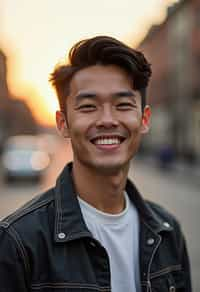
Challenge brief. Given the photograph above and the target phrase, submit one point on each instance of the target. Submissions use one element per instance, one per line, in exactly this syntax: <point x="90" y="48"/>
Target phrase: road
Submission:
<point x="177" y="193"/>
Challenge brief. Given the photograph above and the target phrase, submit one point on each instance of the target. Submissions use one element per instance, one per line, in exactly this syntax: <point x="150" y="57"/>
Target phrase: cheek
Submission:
<point x="133" y="122"/>
<point x="78" y="128"/>
<point x="75" y="130"/>
<point x="81" y="123"/>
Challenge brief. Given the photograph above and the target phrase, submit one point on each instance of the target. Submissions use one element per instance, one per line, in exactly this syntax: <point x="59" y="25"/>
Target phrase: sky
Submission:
<point x="37" y="34"/>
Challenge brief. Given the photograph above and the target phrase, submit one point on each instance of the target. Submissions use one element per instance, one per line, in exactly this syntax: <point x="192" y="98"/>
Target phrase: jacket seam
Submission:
<point x="152" y="230"/>
<point x="18" y="241"/>
<point x="152" y="255"/>
<point x="19" y="245"/>
<point x="69" y="285"/>
<point x="72" y="237"/>
<point x="60" y="216"/>
<point x="58" y="213"/>
<point x="165" y="271"/>
<point x="13" y="218"/>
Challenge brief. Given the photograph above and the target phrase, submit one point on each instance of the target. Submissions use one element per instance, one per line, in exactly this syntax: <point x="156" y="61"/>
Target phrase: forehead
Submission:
<point x="101" y="77"/>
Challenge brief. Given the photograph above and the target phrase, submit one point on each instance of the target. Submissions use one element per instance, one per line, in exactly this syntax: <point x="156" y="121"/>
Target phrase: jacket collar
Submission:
<point x="69" y="222"/>
<point x="146" y="213"/>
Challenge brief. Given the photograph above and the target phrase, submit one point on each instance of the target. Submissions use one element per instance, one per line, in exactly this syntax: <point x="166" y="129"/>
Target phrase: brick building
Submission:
<point x="15" y="116"/>
<point x="173" y="49"/>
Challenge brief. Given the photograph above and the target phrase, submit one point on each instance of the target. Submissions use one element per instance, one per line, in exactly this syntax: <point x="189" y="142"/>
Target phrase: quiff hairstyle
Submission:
<point x="101" y="50"/>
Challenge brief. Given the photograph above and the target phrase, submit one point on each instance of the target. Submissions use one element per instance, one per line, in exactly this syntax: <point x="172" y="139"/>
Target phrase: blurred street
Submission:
<point x="180" y="195"/>
<point x="176" y="192"/>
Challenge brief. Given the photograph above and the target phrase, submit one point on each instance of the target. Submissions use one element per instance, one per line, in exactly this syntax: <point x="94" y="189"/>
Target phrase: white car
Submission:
<point x="23" y="158"/>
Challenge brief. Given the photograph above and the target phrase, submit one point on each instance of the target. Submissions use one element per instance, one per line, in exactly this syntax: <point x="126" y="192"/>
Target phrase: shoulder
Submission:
<point x="162" y="213"/>
<point x="169" y="221"/>
<point x="20" y="230"/>
<point x="30" y="217"/>
<point x="149" y="209"/>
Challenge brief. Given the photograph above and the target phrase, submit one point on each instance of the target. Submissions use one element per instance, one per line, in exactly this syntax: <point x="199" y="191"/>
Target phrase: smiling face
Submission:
<point x="103" y="118"/>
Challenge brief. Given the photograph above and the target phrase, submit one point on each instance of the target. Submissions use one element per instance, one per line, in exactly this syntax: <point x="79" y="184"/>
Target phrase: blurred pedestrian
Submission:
<point x="94" y="231"/>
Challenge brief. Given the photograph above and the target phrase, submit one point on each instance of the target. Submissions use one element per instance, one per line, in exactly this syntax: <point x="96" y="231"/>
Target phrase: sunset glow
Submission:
<point x="35" y="35"/>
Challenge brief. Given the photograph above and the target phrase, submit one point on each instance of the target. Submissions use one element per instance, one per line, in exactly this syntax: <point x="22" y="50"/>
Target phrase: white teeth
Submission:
<point x="107" y="141"/>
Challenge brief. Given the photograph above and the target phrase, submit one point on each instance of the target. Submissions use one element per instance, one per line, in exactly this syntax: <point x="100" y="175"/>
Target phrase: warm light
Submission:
<point x="40" y="33"/>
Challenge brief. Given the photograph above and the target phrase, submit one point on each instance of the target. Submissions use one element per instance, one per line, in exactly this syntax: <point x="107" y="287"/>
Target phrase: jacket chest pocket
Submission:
<point x="172" y="282"/>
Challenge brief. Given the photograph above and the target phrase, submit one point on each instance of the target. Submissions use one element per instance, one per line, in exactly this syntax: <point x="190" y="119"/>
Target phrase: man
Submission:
<point x="94" y="231"/>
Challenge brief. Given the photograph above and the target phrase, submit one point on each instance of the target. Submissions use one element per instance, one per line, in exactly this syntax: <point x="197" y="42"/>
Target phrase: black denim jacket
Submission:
<point x="45" y="246"/>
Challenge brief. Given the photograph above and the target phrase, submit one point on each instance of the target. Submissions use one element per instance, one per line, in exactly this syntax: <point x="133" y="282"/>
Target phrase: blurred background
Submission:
<point x="35" y="35"/>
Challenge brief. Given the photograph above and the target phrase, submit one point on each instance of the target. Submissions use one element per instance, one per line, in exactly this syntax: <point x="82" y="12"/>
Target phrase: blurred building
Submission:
<point x="3" y="74"/>
<point x="15" y="116"/>
<point x="173" y="49"/>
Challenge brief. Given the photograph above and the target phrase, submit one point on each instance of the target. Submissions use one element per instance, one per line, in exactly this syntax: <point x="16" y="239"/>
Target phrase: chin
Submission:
<point x="110" y="168"/>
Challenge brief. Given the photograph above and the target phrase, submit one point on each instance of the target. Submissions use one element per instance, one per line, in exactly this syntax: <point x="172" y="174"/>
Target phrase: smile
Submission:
<point x="108" y="140"/>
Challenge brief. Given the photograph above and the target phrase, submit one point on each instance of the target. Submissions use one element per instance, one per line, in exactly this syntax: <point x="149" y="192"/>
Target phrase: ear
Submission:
<point x="62" y="125"/>
<point x="146" y="119"/>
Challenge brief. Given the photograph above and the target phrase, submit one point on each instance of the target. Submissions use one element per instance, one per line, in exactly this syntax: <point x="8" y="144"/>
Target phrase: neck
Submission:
<point x="102" y="191"/>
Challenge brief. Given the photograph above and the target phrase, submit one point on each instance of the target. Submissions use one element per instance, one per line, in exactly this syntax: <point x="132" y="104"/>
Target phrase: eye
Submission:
<point x="125" y="105"/>
<point x="87" y="107"/>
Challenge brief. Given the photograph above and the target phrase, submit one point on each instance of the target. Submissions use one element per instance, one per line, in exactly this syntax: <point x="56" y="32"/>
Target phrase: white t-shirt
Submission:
<point x="119" y="234"/>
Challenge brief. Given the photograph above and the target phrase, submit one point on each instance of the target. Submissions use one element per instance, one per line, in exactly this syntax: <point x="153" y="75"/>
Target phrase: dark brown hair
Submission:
<point x="102" y="50"/>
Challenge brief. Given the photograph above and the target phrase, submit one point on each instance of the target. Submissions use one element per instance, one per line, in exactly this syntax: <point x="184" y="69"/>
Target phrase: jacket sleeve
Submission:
<point x="12" y="270"/>
<point x="186" y="268"/>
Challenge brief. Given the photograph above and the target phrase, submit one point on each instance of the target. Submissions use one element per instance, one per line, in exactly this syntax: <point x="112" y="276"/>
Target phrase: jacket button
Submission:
<point x="61" y="235"/>
<point x="150" y="241"/>
<point x="172" y="289"/>
<point x="166" y="224"/>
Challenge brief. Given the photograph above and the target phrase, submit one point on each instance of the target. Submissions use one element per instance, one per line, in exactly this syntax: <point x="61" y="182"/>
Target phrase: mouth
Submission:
<point x="108" y="140"/>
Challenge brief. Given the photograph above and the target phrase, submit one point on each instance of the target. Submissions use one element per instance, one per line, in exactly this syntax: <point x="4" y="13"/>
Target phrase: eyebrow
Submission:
<point x="85" y="95"/>
<point x="92" y="95"/>
<point x="124" y="93"/>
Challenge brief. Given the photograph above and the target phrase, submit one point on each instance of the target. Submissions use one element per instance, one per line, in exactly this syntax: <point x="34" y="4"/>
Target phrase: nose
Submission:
<point x="107" y="118"/>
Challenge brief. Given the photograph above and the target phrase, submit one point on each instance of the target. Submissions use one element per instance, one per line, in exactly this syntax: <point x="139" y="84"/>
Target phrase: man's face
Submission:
<point x="103" y="118"/>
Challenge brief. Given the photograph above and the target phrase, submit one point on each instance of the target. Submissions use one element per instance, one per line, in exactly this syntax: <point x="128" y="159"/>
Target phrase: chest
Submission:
<point x="84" y="265"/>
